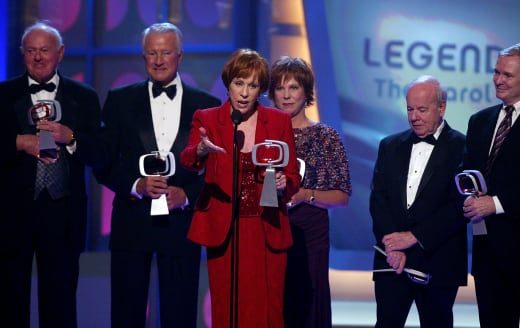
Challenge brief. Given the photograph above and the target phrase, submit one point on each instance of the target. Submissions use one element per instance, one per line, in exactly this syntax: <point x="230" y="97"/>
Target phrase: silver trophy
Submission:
<point x="301" y="164"/>
<point x="472" y="183"/>
<point x="45" y="110"/>
<point x="272" y="154"/>
<point x="158" y="164"/>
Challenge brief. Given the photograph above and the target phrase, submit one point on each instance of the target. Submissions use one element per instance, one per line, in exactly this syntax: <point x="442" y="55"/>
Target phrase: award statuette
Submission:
<point x="272" y="154"/>
<point x="157" y="164"/>
<point x="472" y="183"/>
<point x="45" y="110"/>
<point x="301" y="164"/>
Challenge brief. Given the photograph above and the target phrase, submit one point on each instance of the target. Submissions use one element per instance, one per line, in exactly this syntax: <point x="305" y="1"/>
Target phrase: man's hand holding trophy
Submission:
<point x="45" y="115"/>
<point x="156" y="168"/>
<point x="471" y="183"/>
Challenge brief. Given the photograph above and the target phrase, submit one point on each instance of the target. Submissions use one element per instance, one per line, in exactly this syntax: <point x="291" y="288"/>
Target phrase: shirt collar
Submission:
<point x="55" y="79"/>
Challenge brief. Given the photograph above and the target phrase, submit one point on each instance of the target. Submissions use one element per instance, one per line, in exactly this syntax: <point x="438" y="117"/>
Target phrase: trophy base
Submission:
<point x="269" y="195"/>
<point x="46" y="141"/>
<point x="159" y="206"/>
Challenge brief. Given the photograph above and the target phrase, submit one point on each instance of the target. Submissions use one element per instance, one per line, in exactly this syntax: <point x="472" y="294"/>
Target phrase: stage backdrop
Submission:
<point x="364" y="54"/>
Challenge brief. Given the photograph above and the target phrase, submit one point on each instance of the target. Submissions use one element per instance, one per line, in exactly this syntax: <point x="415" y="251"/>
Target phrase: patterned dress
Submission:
<point x="307" y="291"/>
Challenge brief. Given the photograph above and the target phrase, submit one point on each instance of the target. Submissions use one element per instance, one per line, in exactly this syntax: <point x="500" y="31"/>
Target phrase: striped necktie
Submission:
<point x="502" y="131"/>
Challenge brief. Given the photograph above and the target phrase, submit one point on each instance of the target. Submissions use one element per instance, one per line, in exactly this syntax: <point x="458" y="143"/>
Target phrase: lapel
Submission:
<point x="67" y="102"/>
<point x="225" y="127"/>
<point x="22" y="106"/>
<point x="436" y="159"/>
<point x="488" y="130"/>
<point x="188" y="106"/>
<point x="22" y="102"/>
<point x="143" y="117"/>
<point x="403" y="154"/>
<point x="262" y="132"/>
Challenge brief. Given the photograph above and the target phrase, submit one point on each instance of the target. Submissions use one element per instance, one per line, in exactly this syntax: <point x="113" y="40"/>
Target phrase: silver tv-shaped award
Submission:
<point x="158" y="164"/>
<point x="45" y="110"/>
<point x="301" y="164"/>
<point x="272" y="154"/>
<point x="472" y="183"/>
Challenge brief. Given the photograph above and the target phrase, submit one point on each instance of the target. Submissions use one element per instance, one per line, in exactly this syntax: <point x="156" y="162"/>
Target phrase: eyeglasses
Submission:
<point x="414" y="275"/>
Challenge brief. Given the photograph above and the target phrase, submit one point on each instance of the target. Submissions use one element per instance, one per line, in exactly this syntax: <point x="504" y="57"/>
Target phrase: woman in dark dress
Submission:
<point x="326" y="184"/>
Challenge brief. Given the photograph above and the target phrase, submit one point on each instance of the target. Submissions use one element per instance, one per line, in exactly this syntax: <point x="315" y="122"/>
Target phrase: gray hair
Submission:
<point x="513" y="50"/>
<point x="164" y="28"/>
<point x="440" y="91"/>
<point x="44" y="27"/>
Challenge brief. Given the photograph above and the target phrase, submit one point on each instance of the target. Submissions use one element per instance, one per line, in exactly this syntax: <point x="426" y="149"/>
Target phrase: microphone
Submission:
<point x="236" y="116"/>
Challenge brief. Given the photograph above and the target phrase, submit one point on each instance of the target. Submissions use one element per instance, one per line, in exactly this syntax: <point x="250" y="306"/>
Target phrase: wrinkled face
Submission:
<point x="289" y="96"/>
<point x="424" y="113"/>
<point x="162" y="57"/>
<point x="507" y="79"/>
<point x="41" y="54"/>
<point x="243" y="93"/>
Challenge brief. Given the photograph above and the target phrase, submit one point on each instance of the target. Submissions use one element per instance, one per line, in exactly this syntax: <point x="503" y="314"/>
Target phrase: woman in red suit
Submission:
<point x="250" y="261"/>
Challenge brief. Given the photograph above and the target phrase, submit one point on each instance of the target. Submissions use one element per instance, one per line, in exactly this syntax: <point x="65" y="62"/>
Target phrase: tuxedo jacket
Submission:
<point x="435" y="218"/>
<point x="213" y="213"/>
<point x="81" y="112"/>
<point x="503" y="182"/>
<point x="128" y="133"/>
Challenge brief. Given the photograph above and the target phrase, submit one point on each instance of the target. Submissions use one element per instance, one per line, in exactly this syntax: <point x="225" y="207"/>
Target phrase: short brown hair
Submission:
<point x="244" y="63"/>
<point x="293" y="67"/>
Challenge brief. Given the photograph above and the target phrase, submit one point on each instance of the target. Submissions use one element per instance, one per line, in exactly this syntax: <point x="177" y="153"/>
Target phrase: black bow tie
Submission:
<point x="34" y="88"/>
<point x="157" y="89"/>
<point x="429" y="139"/>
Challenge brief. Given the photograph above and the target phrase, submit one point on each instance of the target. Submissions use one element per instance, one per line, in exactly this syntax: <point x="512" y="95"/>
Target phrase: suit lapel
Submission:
<point x="144" y="119"/>
<point x="186" y="103"/>
<point x="68" y="104"/>
<point x="187" y="109"/>
<point x="404" y="152"/>
<point x="262" y="131"/>
<point x="437" y="157"/>
<point x="22" y="107"/>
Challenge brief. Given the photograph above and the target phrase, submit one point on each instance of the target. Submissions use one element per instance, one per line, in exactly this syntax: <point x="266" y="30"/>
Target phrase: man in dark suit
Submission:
<point x="495" y="259"/>
<point x="138" y="119"/>
<point x="417" y="214"/>
<point x="46" y="189"/>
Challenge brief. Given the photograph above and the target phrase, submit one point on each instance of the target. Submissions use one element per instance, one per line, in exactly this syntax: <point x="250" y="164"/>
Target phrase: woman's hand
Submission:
<point x="205" y="145"/>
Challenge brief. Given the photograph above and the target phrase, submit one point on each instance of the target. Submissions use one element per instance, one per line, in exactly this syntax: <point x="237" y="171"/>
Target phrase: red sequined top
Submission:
<point x="249" y="198"/>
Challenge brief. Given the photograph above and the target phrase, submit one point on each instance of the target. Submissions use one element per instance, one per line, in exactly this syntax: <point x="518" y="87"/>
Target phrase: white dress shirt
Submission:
<point x="419" y="157"/>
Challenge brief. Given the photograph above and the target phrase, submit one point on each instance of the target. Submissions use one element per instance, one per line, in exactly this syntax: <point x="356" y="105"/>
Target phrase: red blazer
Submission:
<point x="212" y="219"/>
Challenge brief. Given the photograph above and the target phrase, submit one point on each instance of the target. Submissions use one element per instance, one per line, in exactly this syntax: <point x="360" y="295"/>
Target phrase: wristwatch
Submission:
<point x="312" y="199"/>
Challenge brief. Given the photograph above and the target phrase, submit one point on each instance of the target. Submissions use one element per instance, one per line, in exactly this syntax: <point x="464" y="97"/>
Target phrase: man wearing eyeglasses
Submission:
<point x="418" y="224"/>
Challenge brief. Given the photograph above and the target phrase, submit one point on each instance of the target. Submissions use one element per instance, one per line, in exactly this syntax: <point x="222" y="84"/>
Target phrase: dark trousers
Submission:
<point x="497" y="287"/>
<point x="57" y="265"/>
<point x="395" y="295"/>
<point x="130" y="280"/>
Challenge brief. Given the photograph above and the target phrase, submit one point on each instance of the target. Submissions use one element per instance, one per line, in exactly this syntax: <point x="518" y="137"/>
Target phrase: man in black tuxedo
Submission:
<point x="417" y="214"/>
<point x="45" y="189"/>
<point x="495" y="259"/>
<point x="138" y="119"/>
